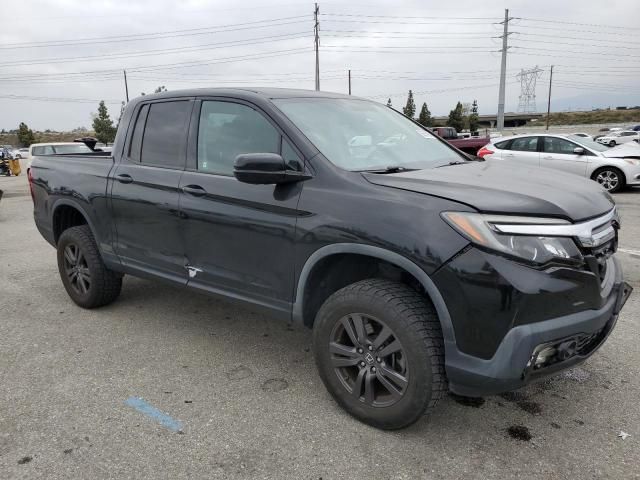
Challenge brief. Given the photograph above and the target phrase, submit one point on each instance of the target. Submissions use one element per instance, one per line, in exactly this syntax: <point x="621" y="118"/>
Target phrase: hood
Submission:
<point x="629" y="149"/>
<point x="495" y="187"/>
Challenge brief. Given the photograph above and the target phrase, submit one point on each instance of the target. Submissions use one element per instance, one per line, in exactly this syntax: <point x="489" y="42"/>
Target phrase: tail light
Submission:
<point x="484" y="151"/>
<point x="30" y="179"/>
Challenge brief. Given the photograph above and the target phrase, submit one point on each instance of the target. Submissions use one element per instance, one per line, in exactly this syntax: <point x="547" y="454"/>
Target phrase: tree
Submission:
<point x="410" y="109"/>
<point x="160" y="89"/>
<point x="424" y="118"/>
<point x="103" y="125"/>
<point x="389" y="103"/>
<point x="25" y="135"/>
<point x="456" y="119"/>
<point x="473" y="117"/>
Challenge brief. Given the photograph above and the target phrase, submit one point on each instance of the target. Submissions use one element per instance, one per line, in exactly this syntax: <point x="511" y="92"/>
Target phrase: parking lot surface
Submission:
<point x="167" y="383"/>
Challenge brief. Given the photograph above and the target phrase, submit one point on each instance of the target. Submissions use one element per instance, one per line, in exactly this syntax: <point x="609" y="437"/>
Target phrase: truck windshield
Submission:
<point x="361" y="135"/>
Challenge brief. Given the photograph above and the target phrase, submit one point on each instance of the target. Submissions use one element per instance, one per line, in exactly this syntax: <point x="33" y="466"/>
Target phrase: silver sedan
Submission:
<point x="613" y="168"/>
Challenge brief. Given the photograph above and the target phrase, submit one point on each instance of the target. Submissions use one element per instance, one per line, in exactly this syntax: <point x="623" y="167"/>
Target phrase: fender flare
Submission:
<point x="402" y="262"/>
<point x="65" y="202"/>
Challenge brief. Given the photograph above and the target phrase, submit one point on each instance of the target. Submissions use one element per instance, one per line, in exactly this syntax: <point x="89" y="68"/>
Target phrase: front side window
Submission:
<point x="361" y="135"/>
<point x="558" y="145"/>
<point x="227" y="130"/>
<point x="526" y="144"/>
<point x="165" y="133"/>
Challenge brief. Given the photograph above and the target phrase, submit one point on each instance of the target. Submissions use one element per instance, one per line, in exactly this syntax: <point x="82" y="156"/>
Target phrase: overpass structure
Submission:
<point x="511" y="119"/>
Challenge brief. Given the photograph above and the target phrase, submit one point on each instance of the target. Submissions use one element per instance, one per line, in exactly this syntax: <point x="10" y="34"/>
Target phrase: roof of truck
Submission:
<point x="267" y="92"/>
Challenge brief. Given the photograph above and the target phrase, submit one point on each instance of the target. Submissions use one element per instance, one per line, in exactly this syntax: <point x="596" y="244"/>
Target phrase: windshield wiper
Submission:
<point x="457" y="162"/>
<point x="390" y="169"/>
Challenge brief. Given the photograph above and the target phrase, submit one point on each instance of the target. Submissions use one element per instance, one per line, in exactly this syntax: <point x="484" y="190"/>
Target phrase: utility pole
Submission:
<point x="349" y="81"/>
<point x="316" y="31"/>
<point x="503" y="71"/>
<point x="549" y="99"/>
<point x="126" y="87"/>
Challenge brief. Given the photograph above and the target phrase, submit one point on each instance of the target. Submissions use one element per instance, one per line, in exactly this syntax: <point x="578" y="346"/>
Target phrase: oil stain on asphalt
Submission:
<point x="519" y="432"/>
<point x="475" y="402"/>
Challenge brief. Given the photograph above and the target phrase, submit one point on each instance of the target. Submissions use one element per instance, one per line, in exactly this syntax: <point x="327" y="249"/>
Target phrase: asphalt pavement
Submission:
<point x="168" y="383"/>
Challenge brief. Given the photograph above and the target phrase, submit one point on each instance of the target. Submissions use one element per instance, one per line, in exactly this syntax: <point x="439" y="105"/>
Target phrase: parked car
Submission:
<point x="612" y="168"/>
<point x="21" y="153"/>
<point x="618" y="138"/>
<point x="635" y="128"/>
<point x="418" y="270"/>
<point x="583" y="135"/>
<point x="56" y="148"/>
<point x="469" y="145"/>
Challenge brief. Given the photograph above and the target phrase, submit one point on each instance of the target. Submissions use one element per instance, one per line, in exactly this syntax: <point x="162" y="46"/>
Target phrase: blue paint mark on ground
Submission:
<point x="152" y="412"/>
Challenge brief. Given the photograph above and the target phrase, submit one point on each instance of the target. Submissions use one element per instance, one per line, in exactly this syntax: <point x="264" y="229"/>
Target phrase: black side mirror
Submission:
<point x="265" y="169"/>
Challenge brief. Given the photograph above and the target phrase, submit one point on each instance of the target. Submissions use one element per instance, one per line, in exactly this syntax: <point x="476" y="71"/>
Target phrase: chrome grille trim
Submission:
<point x="583" y="232"/>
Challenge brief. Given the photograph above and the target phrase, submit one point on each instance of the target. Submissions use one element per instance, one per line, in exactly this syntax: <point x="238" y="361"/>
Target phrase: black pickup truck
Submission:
<point x="418" y="270"/>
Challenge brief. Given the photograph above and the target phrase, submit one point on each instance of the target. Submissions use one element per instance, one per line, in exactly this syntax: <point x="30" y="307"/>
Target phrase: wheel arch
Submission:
<point x="609" y="166"/>
<point x="67" y="214"/>
<point x="336" y="251"/>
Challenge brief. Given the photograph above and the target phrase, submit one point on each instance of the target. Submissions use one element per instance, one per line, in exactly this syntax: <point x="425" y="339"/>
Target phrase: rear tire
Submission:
<point x="379" y="351"/>
<point x="85" y="277"/>
<point x="612" y="143"/>
<point x="610" y="178"/>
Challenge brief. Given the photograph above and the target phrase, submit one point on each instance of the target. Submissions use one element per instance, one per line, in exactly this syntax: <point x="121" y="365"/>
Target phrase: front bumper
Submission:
<point x="513" y="364"/>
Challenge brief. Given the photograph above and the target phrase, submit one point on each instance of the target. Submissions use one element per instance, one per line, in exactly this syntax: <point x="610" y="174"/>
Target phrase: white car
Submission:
<point x="20" y="153"/>
<point x="617" y="138"/>
<point x="57" y="148"/>
<point x="613" y="168"/>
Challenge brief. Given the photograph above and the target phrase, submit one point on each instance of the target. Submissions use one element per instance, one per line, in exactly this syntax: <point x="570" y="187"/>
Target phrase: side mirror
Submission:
<point x="265" y="169"/>
<point x="578" y="151"/>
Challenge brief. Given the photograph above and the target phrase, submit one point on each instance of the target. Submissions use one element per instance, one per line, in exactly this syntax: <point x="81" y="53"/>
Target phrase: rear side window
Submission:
<point x="45" y="150"/>
<point x="163" y="142"/>
<point x="526" y="144"/>
<point x="502" y="145"/>
<point x="136" y="138"/>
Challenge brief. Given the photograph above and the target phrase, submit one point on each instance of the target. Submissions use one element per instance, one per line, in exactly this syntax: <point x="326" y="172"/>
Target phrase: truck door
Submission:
<point x="239" y="237"/>
<point x="145" y="190"/>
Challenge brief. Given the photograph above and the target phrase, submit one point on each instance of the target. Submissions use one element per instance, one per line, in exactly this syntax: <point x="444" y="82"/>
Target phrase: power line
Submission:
<point x="405" y="17"/>
<point x="56" y="99"/>
<point x="162" y="34"/>
<point x="161" y="51"/>
<point x="600" y="25"/>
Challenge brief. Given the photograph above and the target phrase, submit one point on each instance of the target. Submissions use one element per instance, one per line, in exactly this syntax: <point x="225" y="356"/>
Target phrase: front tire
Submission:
<point x="610" y="178"/>
<point x="379" y="351"/>
<point x="85" y="277"/>
<point x="612" y="143"/>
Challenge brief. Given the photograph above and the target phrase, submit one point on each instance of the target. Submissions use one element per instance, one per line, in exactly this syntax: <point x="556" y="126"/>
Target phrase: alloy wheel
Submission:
<point x="608" y="179"/>
<point x="369" y="360"/>
<point x="77" y="269"/>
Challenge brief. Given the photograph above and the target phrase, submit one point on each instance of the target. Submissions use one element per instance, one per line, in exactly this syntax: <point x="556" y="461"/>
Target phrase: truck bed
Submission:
<point x="82" y="177"/>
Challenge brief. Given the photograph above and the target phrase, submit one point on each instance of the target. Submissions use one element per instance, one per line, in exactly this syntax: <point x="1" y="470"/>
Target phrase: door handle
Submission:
<point x="195" y="190"/>
<point x="124" y="178"/>
<point x="548" y="157"/>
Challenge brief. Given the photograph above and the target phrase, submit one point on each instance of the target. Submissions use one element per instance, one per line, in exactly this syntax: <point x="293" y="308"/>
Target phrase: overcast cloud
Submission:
<point x="390" y="48"/>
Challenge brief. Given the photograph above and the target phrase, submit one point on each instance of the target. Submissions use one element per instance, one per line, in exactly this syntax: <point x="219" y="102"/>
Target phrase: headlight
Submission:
<point x="632" y="161"/>
<point x="483" y="230"/>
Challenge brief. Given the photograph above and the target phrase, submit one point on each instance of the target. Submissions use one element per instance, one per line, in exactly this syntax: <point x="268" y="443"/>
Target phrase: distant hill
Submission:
<point x="599" y="116"/>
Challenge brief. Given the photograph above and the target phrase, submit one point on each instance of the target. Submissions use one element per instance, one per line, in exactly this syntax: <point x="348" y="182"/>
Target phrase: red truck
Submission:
<point x="467" y="145"/>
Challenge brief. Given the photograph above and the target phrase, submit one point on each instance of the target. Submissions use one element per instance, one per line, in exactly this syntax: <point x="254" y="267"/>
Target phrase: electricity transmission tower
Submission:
<point x="528" y="80"/>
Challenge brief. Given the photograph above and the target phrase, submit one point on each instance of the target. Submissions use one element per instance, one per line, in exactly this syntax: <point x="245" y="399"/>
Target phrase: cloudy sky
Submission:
<point x="58" y="58"/>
